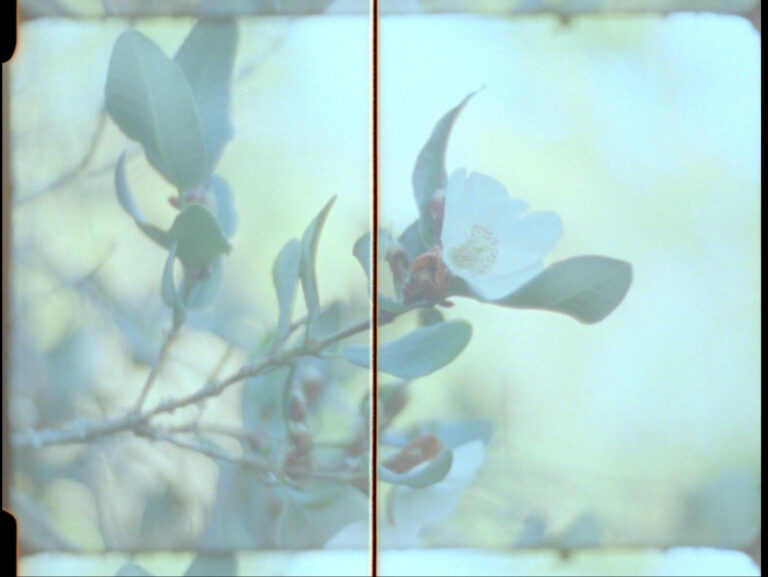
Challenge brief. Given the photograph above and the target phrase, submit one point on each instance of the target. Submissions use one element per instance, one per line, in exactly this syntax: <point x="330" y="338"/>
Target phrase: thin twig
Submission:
<point x="166" y="346"/>
<point x="136" y="420"/>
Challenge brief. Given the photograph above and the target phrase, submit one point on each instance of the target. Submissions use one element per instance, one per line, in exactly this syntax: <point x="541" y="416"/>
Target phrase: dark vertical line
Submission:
<point x="374" y="284"/>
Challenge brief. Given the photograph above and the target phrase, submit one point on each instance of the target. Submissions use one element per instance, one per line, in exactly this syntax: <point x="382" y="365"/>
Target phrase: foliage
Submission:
<point x="285" y="485"/>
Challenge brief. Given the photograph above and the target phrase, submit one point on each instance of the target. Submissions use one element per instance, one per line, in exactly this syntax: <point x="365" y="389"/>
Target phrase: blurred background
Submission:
<point x="641" y="131"/>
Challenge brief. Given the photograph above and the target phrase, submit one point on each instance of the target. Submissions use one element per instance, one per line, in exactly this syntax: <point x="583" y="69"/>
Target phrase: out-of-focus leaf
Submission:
<point x="125" y="198"/>
<point x="418" y="353"/>
<point x="389" y="305"/>
<point x="168" y="285"/>
<point x="199" y="292"/>
<point x="132" y="570"/>
<point x="313" y="514"/>
<point x="212" y="564"/>
<point x="165" y="523"/>
<point x="262" y="399"/>
<point x="422" y="475"/>
<point x="243" y="513"/>
<point x="362" y="252"/>
<point x="457" y="433"/>
<point x="226" y="213"/>
<point x="430" y="316"/>
<point x="199" y="237"/>
<point x="285" y="275"/>
<point x="588" y="288"/>
<point x="149" y="98"/>
<point x="309" y="243"/>
<point x="411" y="242"/>
<point x="429" y="174"/>
<point x="206" y="57"/>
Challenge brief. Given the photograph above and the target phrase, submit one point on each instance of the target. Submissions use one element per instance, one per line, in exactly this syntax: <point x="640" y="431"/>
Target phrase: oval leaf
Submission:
<point x="206" y="57"/>
<point x="588" y="288"/>
<point x="418" y="353"/>
<point x="285" y="274"/>
<point x="309" y="242"/>
<point x="429" y="174"/>
<point x="199" y="237"/>
<point x="423" y="475"/>
<point x="149" y="98"/>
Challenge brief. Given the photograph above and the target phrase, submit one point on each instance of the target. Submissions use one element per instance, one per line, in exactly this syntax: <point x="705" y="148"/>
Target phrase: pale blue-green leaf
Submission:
<point x="212" y="564"/>
<point x="226" y="213"/>
<point x="391" y="306"/>
<point x="429" y="174"/>
<point x="285" y="275"/>
<point x="199" y="237"/>
<point x="126" y="200"/>
<point x="200" y="287"/>
<point x="168" y="285"/>
<point x="309" y="243"/>
<point x="458" y="433"/>
<point x="422" y="475"/>
<point x="362" y="252"/>
<point x="206" y="57"/>
<point x="411" y="242"/>
<point x="588" y="288"/>
<point x="311" y="515"/>
<point x="418" y="353"/>
<point x="149" y="98"/>
<point x="430" y="316"/>
<point x="132" y="570"/>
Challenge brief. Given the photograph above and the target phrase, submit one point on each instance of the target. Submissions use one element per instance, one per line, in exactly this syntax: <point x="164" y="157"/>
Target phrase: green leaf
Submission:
<point x="151" y="101"/>
<point x="168" y="285"/>
<point x="210" y="564"/>
<point x="422" y="475"/>
<point x="226" y="213"/>
<point x="588" y="288"/>
<point x="125" y="198"/>
<point x="412" y="243"/>
<point x="199" y="237"/>
<point x="429" y="174"/>
<point x="312" y="515"/>
<point x="309" y="243"/>
<point x="200" y="287"/>
<point x="362" y="252"/>
<point x="418" y="353"/>
<point x="285" y="275"/>
<point x="132" y="570"/>
<point x="206" y="57"/>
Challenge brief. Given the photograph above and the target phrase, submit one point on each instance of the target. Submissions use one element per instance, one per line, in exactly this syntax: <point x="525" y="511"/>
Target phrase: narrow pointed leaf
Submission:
<point x="362" y="252"/>
<point x="429" y="174"/>
<point x="309" y="243"/>
<point x="126" y="200"/>
<point x="285" y="275"/>
<point x="200" y="287"/>
<point x="207" y="57"/>
<point x="226" y="213"/>
<point x="418" y="353"/>
<point x="588" y="288"/>
<point x="149" y="98"/>
<point x="168" y="285"/>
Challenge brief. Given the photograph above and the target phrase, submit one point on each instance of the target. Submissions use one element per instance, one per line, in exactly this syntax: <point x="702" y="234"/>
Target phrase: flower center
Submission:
<point x="478" y="253"/>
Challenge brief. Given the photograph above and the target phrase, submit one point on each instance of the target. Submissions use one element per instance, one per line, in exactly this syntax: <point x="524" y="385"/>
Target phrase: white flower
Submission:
<point x="486" y="238"/>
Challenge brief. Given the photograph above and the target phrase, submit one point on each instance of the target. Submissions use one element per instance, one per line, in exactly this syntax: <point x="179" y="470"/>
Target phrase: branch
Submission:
<point x="137" y="421"/>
